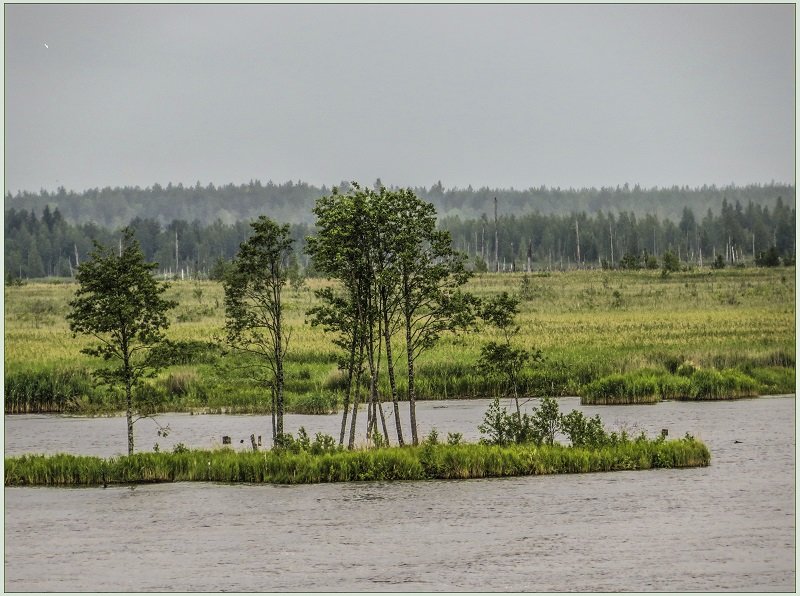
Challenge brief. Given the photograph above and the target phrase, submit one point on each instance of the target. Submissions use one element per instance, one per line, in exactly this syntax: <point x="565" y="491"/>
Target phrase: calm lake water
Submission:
<point x="728" y="527"/>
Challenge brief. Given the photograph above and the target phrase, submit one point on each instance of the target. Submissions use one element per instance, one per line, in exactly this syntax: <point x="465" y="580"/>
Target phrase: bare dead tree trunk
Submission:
<point x="496" y="237"/>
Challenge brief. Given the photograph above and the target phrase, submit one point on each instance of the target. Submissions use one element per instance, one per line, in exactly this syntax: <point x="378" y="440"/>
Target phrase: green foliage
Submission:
<point x="630" y="262"/>
<point x="479" y="265"/>
<point x="583" y="431"/>
<point x="663" y="325"/>
<point x="621" y="389"/>
<point x="546" y="420"/>
<point x="670" y="263"/>
<point x="770" y="258"/>
<point x="725" y="384"/>
<point x="49" y="391"/>
<point x="454" y="438"/>
<point x="526" y="288"/>
<point x="501" y="311"/>
<point x="432" y="438"/>
<point x="254" y="320"/>
<point x="313" y="403"/>
<point x="118" y="302"/>
<point x="322" y="443"/>
<point x="176" y="353"/>
<point x="503" y="428"/>
<point x="718" y="263"/>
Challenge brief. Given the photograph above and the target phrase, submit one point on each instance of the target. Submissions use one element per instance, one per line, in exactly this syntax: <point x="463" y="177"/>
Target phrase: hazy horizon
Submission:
<point x="510" y="96"/>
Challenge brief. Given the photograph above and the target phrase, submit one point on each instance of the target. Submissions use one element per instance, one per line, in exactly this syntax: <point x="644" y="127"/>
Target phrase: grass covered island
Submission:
<point x="425" y="462"/>
<point x="512" y="444"/>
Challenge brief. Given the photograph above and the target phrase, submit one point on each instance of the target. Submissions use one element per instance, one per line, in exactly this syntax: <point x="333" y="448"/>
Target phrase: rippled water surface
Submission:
<point x="728" y="527"/>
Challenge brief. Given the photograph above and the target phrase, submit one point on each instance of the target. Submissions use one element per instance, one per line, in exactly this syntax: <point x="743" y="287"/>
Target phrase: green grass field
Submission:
<point x="663" y="337"/>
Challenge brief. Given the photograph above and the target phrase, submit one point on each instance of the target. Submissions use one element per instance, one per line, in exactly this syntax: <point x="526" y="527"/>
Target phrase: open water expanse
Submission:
<point x="728" y="527"/>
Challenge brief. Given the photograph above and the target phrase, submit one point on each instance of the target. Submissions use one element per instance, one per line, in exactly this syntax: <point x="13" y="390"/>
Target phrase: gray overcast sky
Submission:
<point x="499" y="96"/>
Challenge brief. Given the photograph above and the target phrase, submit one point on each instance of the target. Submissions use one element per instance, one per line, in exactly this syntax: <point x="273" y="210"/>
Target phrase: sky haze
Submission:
<point x="481" y="95"/>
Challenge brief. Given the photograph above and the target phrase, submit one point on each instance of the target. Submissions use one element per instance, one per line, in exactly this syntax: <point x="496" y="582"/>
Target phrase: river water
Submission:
<point x="728" y="527"/>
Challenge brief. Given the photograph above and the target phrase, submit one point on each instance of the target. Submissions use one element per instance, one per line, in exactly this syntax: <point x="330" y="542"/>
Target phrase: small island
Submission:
<point x="513" y="444"/>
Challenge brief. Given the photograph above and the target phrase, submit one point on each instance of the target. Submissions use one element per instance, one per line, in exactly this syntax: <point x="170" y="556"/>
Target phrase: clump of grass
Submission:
<point x="49" y="391"/>
<point x="618" y="389"/>
<point x="726" y="384"/>
<point x="180" y="382"/>
<point x="313" y="403"/>
<point x="428" y="461"/>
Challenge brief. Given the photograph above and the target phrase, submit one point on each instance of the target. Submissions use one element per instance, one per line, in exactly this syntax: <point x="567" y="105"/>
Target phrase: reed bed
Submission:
<point x="588" y="324"/>
<point x="425" y="462"/>
<point x="650" y="386"/>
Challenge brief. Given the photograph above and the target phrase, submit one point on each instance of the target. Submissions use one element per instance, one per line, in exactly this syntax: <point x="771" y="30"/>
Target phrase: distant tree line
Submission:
<point x="292" y="202"/>
<point x="735" y="233"/>
<point x="48" y="245"/>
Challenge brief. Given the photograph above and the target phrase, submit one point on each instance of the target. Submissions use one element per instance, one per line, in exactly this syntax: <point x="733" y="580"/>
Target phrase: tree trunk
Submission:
<point x="392" y="381"/>
<point x="279" y="396"/>
<point x="346" y="404"/>
<point x="356" y="395"/>
<point x="278" y="342"/>
<point x="272" y="410"/>
<point x="129" y="414"/>
<point x="383" y="424"/>
<point x="411" y="392"/>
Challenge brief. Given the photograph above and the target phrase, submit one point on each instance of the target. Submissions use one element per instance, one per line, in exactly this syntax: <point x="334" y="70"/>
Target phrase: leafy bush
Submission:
<point x="546" y="421"/>
<point x="454" y="438"/>
<point x="670" y="262"/>
<point x="322" y="443"/>
<point x="502" y="428"/>
<point x="175" y="353"/>
<point x="770" y="258"/>
<point x="583" y="431"/>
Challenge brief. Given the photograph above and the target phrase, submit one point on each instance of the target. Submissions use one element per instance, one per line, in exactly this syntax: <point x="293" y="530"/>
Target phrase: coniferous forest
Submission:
<point x="193" y="231"/>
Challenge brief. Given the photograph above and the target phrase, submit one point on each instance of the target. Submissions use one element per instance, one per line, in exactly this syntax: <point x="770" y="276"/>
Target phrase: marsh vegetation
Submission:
<point x="589" y="325"/>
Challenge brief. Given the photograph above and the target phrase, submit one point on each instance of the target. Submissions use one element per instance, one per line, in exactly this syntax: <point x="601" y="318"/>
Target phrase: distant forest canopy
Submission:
<point x="41" y="243"/>
<point x="292" y="202"/>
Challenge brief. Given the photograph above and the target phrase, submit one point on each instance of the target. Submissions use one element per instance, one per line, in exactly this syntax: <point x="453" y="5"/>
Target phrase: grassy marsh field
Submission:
<point x="608" y="336"/>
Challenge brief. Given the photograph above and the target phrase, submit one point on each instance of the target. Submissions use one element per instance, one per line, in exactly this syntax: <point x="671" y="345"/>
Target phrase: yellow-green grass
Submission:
<point x="589" y="324"/>
<point x="386" y="464"/>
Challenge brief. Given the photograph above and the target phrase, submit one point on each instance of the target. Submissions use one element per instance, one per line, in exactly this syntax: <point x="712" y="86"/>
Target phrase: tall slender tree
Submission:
<point x="120" y="304"/>
<point x="254" y="323"/>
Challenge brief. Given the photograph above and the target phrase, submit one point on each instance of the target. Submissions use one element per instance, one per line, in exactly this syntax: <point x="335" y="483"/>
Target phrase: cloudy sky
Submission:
<point x="499" y="96"/>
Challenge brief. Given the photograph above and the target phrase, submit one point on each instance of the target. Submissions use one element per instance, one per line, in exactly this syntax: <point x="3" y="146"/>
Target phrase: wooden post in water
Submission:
<point x="253" y="442"/>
